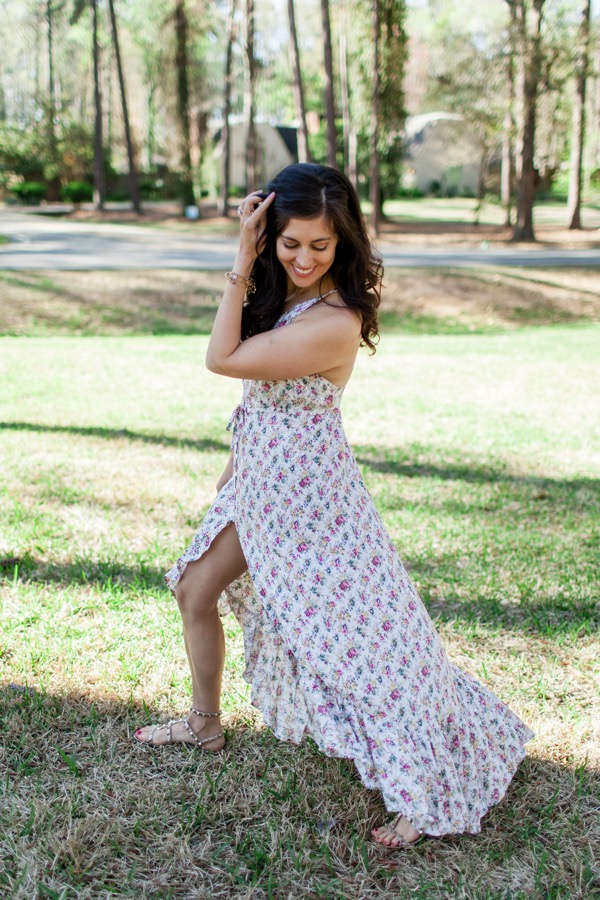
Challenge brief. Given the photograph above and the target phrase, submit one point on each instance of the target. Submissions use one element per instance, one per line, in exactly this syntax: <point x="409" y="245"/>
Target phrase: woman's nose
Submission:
<point x="304" y="258"/>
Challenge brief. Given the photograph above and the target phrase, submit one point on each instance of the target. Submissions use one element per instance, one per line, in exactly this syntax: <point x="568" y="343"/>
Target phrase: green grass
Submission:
<point x="481" y="452"/>
<point x="462" y="209"/>
<point x="414" y="301"/>
<point x="3" y="239"/>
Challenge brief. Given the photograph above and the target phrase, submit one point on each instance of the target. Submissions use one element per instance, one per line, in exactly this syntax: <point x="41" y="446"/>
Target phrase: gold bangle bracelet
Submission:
<point x="248" y="283"/>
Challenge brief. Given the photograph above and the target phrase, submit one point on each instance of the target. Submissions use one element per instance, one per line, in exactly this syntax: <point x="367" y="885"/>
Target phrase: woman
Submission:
<point x="338" y="644"/>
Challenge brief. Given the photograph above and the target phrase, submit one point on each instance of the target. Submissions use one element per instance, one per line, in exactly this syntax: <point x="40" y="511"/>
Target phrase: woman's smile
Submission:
<point x="303" y="273"/>
<point x="306" y="250"/>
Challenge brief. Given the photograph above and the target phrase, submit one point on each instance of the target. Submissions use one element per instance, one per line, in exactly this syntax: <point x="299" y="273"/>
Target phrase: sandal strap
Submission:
<point x="396" y="836"/>
<point x="205" y="715"/>
<point x="201" y="741"/>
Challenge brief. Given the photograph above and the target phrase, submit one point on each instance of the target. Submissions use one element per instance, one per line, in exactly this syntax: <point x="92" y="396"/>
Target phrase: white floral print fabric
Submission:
<point x="338" y="643"/>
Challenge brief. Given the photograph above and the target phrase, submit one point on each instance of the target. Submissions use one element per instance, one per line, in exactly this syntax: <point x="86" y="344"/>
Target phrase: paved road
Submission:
<point x="40" y="243"/>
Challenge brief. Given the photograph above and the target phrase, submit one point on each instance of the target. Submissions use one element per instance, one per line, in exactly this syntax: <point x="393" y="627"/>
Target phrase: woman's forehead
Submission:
<point x="308" y="230"/>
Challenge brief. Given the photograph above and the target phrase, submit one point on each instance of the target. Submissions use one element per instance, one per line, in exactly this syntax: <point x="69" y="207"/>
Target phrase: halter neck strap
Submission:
<point x="306" y="304"/>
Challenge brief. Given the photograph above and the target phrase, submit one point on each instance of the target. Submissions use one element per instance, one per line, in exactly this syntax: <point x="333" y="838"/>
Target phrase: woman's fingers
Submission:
<point x="255" y="205"/>
<point x="252" y="213"/>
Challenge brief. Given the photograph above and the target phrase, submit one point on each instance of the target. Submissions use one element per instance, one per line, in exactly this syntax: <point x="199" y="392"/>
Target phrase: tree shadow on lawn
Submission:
<point x="83" y="571"/>
<point x="163" y="440"/>
<point x="538" y="611"/>
<point x="282" y="818"/>
<point x="372" y="459"/>
<point x="546" y="615"/>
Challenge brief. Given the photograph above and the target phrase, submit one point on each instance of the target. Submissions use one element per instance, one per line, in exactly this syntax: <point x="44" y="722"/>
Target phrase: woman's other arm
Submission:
<point x="227" y="473"/>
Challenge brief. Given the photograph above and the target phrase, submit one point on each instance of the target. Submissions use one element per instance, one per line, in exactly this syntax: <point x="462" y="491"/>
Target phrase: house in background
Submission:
<point x="442" y="155"/>
<point x="276" y="147"/>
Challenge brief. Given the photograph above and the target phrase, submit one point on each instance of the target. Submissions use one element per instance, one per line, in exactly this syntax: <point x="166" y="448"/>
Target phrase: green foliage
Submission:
<point x="77" y="192"/>
<point x="75" y="152"/>
<point x="392" y="113"/>
<point x="409" y="193"/>
<point x="22" y="153"/>
<point x="30" y="192"/>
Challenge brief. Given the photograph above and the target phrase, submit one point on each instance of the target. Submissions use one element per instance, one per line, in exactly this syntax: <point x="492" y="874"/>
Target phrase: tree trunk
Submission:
<point x="226" y="157"/>
<point x="133" y="179"/>
<point x="54" y="183"/>
<point x="375" y="192"/>
<point x="578" y="130"/>
<point x="303" y="149"/>
<point x="99" y="178"/>
<point x="250" y="99"/>
<point x="349" y="134"/>
<point x="506" y="171"/>
<point x="51" y="100"/>
<point x="183" y="103"/>
<point x="527" y="43"/>
<point x="329" y="99"/>
<point x="151" y="134"/>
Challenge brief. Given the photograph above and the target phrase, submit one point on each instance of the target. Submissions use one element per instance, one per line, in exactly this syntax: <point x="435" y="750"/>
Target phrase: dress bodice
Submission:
<point x="310" y="393"/>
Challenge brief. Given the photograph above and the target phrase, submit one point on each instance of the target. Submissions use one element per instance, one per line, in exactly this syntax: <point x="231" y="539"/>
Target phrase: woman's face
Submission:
<point x="306" y="249"/>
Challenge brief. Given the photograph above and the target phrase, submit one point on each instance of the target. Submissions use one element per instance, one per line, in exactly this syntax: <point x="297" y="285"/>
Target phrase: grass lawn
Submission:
<point x="444" y="211"/>
<point x="478" y="441"/>
<point x="462" y="209"/>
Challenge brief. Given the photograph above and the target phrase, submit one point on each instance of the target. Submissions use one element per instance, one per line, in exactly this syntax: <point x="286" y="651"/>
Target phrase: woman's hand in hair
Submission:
<point x="252" y="212"/>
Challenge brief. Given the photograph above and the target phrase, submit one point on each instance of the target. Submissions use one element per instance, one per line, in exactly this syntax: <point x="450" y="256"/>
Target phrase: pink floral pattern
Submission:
<point x="338" y="643"/>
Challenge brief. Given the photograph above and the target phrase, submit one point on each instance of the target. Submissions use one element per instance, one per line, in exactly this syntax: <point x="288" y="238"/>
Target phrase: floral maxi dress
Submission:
<point x="338" y="643"/>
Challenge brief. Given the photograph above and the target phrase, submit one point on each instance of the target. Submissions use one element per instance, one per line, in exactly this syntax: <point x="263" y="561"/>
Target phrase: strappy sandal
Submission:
<point x="198" y="742"/>
<point x="390" y="831"/>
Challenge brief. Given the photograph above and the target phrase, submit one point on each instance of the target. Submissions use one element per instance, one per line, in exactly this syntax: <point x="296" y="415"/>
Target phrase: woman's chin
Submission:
<point x="301" y="283"/>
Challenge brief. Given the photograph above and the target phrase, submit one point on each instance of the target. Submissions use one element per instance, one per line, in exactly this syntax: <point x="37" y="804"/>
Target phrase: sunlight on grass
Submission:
<point x="481" y="452"/>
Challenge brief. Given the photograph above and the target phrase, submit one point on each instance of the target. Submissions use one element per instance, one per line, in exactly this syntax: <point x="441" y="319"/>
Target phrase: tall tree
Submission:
<point x="78" y="9"/>
<point x="329" y="95"/>
<point x="51" y="88"/>
<point x="350" y="147"/>
<point x="250" y="98"/>
<point x="526" y="16"/>
<point x="375" y="91"/>
<point x="303" y="149"/>
<point x="226" y="133"/>
<point x="51" y="104"/>
<point x="578" y="128"/>
<point x="183" y="101"/>
<point x="507" y="168"/>
<point x="99" y="177"/>
<point x="133" y="178"/>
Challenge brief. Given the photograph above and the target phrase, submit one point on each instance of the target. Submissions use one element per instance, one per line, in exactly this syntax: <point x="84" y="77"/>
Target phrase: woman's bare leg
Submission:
<point x="197" y="593"/>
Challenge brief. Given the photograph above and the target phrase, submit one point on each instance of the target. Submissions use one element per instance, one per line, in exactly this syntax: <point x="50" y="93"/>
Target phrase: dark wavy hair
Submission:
<point x="307" y="191"/>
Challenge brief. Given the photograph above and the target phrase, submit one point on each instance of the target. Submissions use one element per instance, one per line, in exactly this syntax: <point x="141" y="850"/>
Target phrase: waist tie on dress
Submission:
<point x="235" y="421"/>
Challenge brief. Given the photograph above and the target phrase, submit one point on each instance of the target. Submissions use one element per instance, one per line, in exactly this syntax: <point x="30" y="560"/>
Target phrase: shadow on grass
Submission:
<point x="537" y="611"/>
<point x="87" y="810"/>
<point x="549" y="616"/>
<point x="371" y="459"/>
<point x="101" y="573"/>
<point x="201" y="444"/>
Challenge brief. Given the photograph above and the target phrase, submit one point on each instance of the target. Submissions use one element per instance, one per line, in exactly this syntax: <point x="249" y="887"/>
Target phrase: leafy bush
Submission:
<point x="30" y="192"/>
<point x="77" y="192"/>
<point x="118" y="195"/>
<point x="408" y="193"/>
<point x="22" y="153"/>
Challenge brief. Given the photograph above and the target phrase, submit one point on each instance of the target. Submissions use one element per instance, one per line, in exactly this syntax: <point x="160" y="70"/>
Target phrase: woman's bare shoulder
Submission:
<point x="334" y="309"/>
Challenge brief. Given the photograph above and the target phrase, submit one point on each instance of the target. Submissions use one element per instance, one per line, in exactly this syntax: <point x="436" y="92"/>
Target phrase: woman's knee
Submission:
<point x="193" y="601"/>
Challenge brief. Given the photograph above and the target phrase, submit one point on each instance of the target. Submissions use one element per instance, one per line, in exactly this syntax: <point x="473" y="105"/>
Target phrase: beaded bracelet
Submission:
<point x="248" y="283"/>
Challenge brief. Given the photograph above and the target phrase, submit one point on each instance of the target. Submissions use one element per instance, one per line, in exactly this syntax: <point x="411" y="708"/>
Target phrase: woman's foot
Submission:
<point x="201" y="731"/>
<point x="398" y="833"/>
